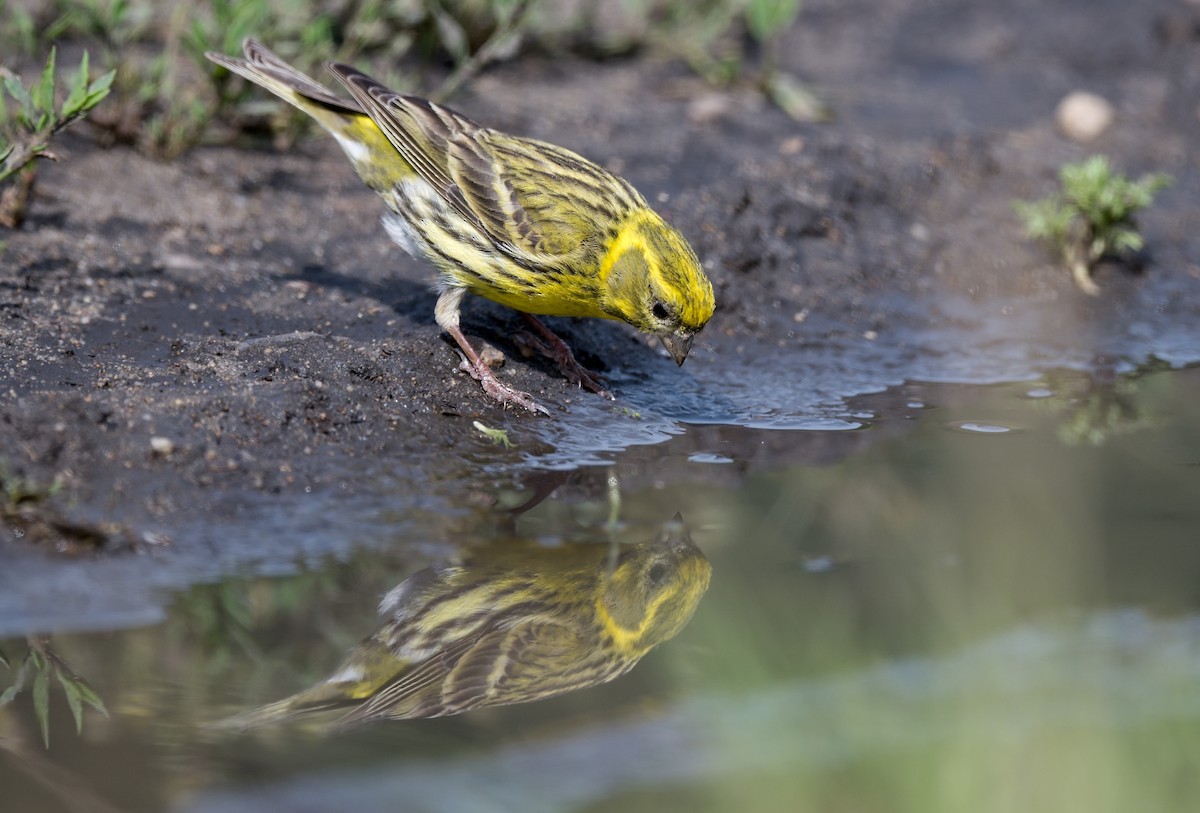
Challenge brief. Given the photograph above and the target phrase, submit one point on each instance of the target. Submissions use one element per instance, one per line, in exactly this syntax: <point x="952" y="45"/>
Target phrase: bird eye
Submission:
<point x="656" y="574"/>
<point x="659" y="310"/>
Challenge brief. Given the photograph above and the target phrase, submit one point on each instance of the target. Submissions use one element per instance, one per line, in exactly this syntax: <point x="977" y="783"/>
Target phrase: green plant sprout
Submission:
<point x="1105" y="411"/>
<point x="41" y="664"/>
<point x="1092" y="217"/>
<point x="166" y="95"/>
<point x="711" y="36"/>
<point x="27" y="126"/>
<point x="473" y="35"/>
<point x="16" y="491"/>
<point x="511" y="18"/>
<point x="20" y="32"/>
<point x="497" y="436"/>
<point x="766" y="20"/>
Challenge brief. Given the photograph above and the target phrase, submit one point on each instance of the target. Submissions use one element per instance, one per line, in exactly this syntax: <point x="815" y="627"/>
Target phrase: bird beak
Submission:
<point x="678" y="345"/>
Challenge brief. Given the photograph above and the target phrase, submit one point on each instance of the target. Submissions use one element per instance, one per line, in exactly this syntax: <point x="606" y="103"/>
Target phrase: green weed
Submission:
<point x="497" y="436"/>
<point x="166" y="96"/>
<point x="29" y="119"/>
<point x="40" y="665"/>
<point x="1092" y="217"/>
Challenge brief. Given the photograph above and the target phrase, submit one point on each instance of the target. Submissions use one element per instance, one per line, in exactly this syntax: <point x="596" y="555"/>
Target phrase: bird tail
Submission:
<point x="264" y="68"/>
<point x="373" y="156"/>
<point x="318" y="698"/>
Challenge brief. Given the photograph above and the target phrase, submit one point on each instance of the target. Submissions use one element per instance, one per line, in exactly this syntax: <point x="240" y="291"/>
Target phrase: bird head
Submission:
<point x="653" y="590"/>
<point x="653" y="281"/>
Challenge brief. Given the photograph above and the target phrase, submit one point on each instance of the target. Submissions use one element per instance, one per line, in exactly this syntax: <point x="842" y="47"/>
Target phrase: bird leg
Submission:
<point x="446" y="315"/>
<point x="555" y="348"/>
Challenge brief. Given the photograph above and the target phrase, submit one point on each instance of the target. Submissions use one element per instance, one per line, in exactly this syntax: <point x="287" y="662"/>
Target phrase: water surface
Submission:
<point x="981" y="598"/>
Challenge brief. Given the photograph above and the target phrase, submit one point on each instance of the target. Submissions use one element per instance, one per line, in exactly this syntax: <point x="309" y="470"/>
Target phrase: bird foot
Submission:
<point x="555" y="348"/>
<point x="499" y="390"/>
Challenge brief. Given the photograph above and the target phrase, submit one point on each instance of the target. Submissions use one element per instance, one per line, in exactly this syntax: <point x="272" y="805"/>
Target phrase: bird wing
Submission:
<point x="472" y="171"/>
<point x="525" y="662"/>
<point x="512" y="663"/>
<point x="414" y="692"/>
<point x="543" y="199"/>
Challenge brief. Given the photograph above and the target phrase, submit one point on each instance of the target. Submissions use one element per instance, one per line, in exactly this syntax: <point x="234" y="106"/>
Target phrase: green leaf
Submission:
<point x="99" y="89"/>
<point x="90" y="697"/>
<point x="497" y="436"/>
<point x="1127" y="240"/>
<point x="73" y="700"/>
<point x="451" y="35"/>
<point x="22" y="678"/>
<point x="41" y="703"/>
<point x="43" y="91"/>
<point x="195" y="39"/>
<point x="1047" y="219"/>
<point x="18" y="92"/>
<point x="765" y="18"/>
<point x="794" y="98"/>
<point x="17" y="685"/>
<point x="79" y="88"/>
<point x="1151" y="185"/>
<point x="56" y="28"/>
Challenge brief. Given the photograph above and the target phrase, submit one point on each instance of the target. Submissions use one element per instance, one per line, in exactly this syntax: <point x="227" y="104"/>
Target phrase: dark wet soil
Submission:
<point x="190" y="344"/>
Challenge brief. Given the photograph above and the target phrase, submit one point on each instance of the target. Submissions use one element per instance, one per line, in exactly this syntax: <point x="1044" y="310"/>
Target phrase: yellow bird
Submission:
<point x="521" y="222"/>
<point x="510" y="623"/>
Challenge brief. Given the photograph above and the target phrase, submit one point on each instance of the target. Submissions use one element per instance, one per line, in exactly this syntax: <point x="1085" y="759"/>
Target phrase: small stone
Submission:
<point x="709" y="107"/>
<point x="791" y="146"/>
<point x="1082" y="116"/>
<point x="298" y="288"/>
<point x="161" y="446"/>
<point x="491" y="356"/>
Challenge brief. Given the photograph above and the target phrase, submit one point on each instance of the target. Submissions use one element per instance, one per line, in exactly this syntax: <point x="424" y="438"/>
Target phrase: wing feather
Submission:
<point x="459" y="160"/>
<point x="510" y="663"/>
<point x="420" y="130"/>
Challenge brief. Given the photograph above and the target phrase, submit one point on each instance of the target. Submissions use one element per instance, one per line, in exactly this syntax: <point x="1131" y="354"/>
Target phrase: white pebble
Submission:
<point x="161" y="445"/>
<point x="1082" y="116"/>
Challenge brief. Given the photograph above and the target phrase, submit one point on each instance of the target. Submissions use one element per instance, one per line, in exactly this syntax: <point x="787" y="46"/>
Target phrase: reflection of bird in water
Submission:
<point x="510" y="624"/>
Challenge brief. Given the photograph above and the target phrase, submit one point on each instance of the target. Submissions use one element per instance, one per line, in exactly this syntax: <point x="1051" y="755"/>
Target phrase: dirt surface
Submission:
<point x="227" y="351"/>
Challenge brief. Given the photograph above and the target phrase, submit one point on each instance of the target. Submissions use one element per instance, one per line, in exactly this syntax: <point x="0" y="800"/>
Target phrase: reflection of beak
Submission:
<point x="677" y="538"/>
<point x="678" y="345"/>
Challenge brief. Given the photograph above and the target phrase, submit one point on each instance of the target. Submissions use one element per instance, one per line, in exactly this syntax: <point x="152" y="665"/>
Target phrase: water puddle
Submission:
<point x="968" y="598"/>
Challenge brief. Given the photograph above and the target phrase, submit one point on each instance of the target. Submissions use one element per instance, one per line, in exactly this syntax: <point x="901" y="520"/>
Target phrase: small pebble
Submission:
<point x="1082" y="116"/>
<point x="162" y="446"/>
<point x="791" y="146"/>
<point x="709" y="107"/>
<point x="491" y="356"/>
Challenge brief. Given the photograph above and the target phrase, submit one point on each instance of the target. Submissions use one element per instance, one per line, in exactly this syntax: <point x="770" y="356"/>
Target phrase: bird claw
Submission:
<point x="571" y="369"/>
<point x="507" y="395"/>
<point x="498" y="390"/>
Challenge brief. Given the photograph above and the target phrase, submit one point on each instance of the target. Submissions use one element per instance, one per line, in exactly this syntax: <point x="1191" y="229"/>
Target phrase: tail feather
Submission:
<point x="287" y="710"/>
<point x="263" y="67"/>
<point x="377" y="162"/>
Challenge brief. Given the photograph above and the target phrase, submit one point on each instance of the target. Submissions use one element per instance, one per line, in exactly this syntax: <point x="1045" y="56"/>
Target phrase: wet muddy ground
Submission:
<point x="223" y="360"/>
